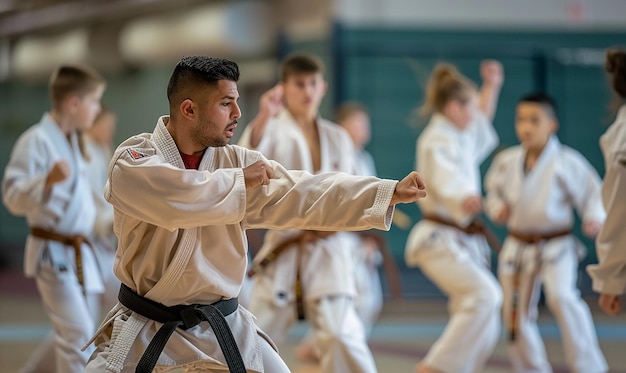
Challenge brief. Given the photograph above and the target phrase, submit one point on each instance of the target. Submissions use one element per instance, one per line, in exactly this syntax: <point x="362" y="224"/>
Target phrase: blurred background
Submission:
<point x="376" y="52"/>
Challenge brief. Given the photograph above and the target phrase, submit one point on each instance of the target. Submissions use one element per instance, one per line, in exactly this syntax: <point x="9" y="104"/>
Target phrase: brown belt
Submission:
<point x="300" y="240"/>
<point x="75" y="241"/>
<point x="535" y="238"/>
<point x="477" y="226"/>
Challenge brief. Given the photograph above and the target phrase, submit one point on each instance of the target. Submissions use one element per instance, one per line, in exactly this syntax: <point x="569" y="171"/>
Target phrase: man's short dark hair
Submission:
<point x="199" y="71"/>
<point x="542" y="99"/>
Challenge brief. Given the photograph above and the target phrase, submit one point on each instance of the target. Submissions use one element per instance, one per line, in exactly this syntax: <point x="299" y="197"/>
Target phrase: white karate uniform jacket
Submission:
<point x="182" y="235"/>
<point x="541" y="200"/>
<point x="327" y="265"/>
<point x="449" y="160"/>
<point x="609" y="276"/>
<point x="69" y="207"/>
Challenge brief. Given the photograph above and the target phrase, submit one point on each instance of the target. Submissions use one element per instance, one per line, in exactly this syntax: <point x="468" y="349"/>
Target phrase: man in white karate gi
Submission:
<point x="183" y="198"/>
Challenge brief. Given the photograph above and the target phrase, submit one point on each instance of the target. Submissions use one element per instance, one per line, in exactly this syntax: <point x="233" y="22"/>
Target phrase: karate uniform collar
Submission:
<point x="165" y="143"/>
<point x="621" y="114"/>
<point x="57" y="135"/>
<point x="441" y="120"/>
<point x="552" y="147"/>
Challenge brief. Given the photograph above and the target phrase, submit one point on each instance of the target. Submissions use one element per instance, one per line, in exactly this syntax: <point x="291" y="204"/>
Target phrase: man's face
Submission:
<point x="534" y="124"/>
<point x="218" y="115"/>
<point x="304" y="92"/>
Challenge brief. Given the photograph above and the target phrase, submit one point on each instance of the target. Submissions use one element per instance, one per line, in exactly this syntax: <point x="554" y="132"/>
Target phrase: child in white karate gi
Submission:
<point x="533" y="189"/>
<point x="46" y="181"/>
<point x="445" y="244"/>
<point x="316" y="278"/>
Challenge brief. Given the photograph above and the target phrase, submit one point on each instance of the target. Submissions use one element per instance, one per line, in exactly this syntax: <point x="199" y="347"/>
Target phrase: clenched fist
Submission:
<point x="258" y="173"/>
<point x="409" y="189"/>
<point x="610" y="304"/>
<point x="473" y="205"/>
<point x="60" y="171"/>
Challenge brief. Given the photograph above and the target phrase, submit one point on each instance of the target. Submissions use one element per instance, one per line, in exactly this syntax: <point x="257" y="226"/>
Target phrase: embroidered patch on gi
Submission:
<point x="136" y="154"/>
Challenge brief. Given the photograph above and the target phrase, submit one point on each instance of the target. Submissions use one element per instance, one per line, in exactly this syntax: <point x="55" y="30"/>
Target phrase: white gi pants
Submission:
<point x="338" y="333"/>
<point x="572" y="314"/>
<point x="108" y="299"/>
<point x="474" y="300"/>
<point x="369" y="299"/>
<point x="70" y="313"/>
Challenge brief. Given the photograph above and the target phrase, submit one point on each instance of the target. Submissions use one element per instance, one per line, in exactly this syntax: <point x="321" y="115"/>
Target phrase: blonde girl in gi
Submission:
<point x="609" y="276"/>
<point x="46" y="181"/>
<point x="449" y="152"/>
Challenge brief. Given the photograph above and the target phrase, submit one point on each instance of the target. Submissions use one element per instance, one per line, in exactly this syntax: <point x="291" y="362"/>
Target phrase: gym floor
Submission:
<point x="399" y="340"/>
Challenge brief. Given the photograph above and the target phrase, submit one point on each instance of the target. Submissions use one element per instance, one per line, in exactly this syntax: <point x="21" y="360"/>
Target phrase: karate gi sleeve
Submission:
<point x="495" y="184"/>
<point x="23" y="185"/>
<point x="609" y="276"/>
<point x="583" y="186"/>
<point x="485" y="137"/>
<point x="154" y="191"/>
<point x="326" y="202"/>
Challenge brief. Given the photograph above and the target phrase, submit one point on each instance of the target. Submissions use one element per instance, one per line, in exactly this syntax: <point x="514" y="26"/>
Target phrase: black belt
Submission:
<point x="184" y="317"/>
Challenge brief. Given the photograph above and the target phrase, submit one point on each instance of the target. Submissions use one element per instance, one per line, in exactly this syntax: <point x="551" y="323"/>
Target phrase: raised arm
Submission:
<point x="492" y="75"/>
<point x="269" y="104"/>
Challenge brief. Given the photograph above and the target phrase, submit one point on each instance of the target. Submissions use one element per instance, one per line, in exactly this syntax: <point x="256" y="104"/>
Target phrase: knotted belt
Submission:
<point x="477" y="226"/>
<point x="75" y="241"/>
<point x="300" y="240"/>
<point x="531" y="239"/>
<point x="535" y="238"/>
<point x="184" y="317"/>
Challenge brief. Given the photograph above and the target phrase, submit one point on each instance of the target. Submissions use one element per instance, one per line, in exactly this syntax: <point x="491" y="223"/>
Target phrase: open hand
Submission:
<point x="271" y="101"/>
<point x="492" y="72"/>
